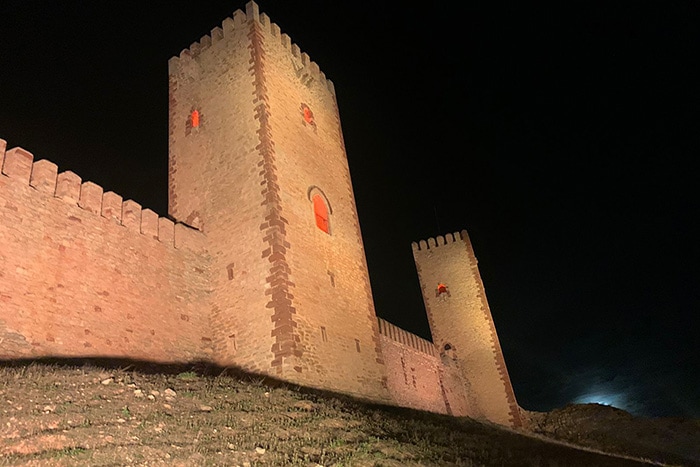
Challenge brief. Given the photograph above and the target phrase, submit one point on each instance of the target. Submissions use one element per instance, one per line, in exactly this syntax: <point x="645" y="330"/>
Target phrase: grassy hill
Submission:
<point x="71" y="413"/>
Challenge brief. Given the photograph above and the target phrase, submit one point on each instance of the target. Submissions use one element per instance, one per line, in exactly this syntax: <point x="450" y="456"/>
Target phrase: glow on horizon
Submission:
<point x="617" y="400"/>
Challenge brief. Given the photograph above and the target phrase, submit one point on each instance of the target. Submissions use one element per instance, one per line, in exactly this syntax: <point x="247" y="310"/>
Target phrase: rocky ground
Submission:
<point x="65" y="414"/>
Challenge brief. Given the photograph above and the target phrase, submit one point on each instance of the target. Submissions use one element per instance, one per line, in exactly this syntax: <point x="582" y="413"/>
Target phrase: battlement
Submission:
<point x="43" y="176"/>
<point x="309" y="72"/>
<point x="438" y="241"/>
<point x="402" y="336"/>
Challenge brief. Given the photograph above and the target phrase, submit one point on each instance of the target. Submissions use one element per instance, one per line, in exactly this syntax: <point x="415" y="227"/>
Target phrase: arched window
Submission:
<point x="321" y="213"/>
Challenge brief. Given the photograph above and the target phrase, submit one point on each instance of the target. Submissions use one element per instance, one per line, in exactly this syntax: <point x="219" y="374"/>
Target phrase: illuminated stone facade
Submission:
<point x="246" y="271"/>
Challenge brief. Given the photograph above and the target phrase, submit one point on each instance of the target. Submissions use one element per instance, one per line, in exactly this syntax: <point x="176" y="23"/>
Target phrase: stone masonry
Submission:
<point x="245" y="271"/>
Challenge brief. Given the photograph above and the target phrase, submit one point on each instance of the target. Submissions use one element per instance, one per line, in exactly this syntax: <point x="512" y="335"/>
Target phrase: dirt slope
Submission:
<point x="670" y="440"/>
<point x="63" y="414"/>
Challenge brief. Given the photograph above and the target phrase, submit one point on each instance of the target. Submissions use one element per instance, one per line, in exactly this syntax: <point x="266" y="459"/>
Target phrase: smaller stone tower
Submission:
<point x="462" y="326"/>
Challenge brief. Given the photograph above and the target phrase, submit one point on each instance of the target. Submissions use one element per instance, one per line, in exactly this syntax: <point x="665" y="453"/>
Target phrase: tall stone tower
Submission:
<point x="258" y="164"/>
<point x="462" y="326"/>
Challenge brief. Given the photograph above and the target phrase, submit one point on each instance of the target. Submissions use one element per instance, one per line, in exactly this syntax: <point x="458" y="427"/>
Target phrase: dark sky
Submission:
<point x="563" y="139"/>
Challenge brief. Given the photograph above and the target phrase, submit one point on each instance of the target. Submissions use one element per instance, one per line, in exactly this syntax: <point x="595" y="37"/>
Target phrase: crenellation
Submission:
<point x="195" y="48"/>
<point x="44" y="175"/>
<point x="305" y="60"/>
<point x="275" y="30"/>
<point x="173" y="64"/>
<point x="205" y="42"/>
<point x="228" y="25"/>
<point x="217" y="34"/>
<point x="68" y="187"/>
<point x="112" y="206"/>
<point x="149" y="223"/>
<point x="404" y="337"/>
<point x="91" y="197"/>
<point x="315" y="70"/>
<point x="296" y="51"/>
<point x="166" y="231"/>
<point x="331" y="86"/>
<point x="439" y="241"/>
<point x="252" y="11"/>
<point x="131" y="215"/>
<point x="18" y="164"/>
<point x="265" y="21"/>
<point x="239" y="19"/>
<point x="286" y="41"/>
<point x="3" y="147"/>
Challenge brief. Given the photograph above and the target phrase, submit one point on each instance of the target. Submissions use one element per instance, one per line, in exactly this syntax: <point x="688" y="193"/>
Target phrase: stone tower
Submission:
<point x="258" y="164"/>
<point x="462" y="326"/>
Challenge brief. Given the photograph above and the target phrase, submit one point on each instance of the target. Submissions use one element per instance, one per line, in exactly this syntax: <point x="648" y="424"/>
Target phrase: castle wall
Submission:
<point x="416" y="375"/>
<point x="462" y="326"/>
<point x="245" y="278"/>
<point x="85" y="274"/>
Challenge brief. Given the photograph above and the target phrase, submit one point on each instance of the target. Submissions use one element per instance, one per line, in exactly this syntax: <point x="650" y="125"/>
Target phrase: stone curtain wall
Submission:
<point x="83" y="273"/>
<point x="417" y="377"/>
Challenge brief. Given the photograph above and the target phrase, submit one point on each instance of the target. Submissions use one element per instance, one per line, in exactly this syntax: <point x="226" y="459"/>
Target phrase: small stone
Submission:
<point x="121" y="420"/>
<point x="205" y="408"/>
<point x="167" y="406"/>
<point x="107" y="381"/>
<point x="49" y="408"/>
<point x="169" y="393"/>
<point x="155" y="393"/>
<point x="131" y="386"/>
<point x="138" y="393"/>
<point x="260" y="450"/>
<point x="231" y="446"/>
<point x="305" y="406"/>
<point x="151" y="397"/>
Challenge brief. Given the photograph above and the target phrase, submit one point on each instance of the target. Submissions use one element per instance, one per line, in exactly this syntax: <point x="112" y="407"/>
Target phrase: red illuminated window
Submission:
<point x="321" y="213"/>
<point x="308" y="115"/>
<point x="194" y="118"/>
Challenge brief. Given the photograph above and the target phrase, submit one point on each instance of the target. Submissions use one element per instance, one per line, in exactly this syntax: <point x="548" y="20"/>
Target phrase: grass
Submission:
<point x="232" y="420"/>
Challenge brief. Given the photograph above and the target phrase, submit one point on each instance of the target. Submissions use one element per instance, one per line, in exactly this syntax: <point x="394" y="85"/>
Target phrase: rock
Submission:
<point x="169" y="393"/>
<point x="107" y="381"/>
<point x="155" y="393"/>
<point x="260" y="450"/>
<point x="205" y="408"/>
<point x="138" y="393"/>
<point x="151" y="397"/>
<point x="305" y="406"/>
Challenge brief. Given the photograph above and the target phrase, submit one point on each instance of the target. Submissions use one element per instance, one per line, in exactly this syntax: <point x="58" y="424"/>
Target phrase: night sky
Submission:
<point x="563" y="139"/>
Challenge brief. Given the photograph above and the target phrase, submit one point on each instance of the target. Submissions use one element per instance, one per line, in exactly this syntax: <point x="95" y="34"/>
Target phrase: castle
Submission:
<point x="260" y="263"/>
